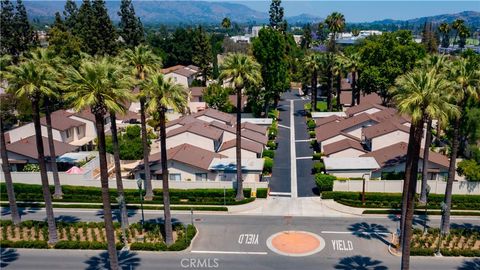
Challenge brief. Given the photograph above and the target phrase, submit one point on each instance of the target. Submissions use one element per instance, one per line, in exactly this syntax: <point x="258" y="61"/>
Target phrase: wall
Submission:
<point x="90" y="129"/>
<point x="347" y="153"/>
<point x="331" y="140"/>
<point x="389" y="139"/>
<point x="396" y="186"/>
<point x="351" y="174"/>
<point x="178" y="79"/>
<point x="190" y="138"/>
<point x="356" y="130"/>
<point x="231" y="153"/>
<point x="21" y="132"/>
<point x="401" y="168"/>
<point x="369" y="111"/>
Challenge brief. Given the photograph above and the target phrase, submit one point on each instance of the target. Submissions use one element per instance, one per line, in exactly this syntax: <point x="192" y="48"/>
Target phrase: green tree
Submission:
<point x="322" y="32"/>
<point x="84" y="27"/>
<point x="463" y="33"/>
<point x="307" y="37"/>
<point x="104" y="33"/>
<point x="470" y="169"/>
<point x="313" y="64"/>
<point x="269" y="50"/>
<point x="99" y="85"/>
<point x="216" y="97"/>
<point x="418" y="93"/>
<point x="336" y="24"/>
<point x="131" y="28"/>
<point x="25" y="36"/>
<point x="65" y="45"/>
<point x="457" y="25"/>
<point x="202" y="56"/>
<point x="429" y="40"/>
<point x="352" y="62"/>
<point x="8" y="30"/>
<point x="240" y="70"/>
<point x="30" y="80"/>
<point x="444" y="29"/>
<point x="143" y="62"/>
<point x="165" y="94"/>
<point x="466" y="78"/>
<point x="70" y="12"/>
<point x="276" y="14"/>
<point x="226" y="24"/>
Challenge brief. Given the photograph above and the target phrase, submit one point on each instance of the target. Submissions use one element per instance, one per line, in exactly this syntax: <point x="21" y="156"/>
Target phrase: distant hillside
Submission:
<point x="471" y="18"/>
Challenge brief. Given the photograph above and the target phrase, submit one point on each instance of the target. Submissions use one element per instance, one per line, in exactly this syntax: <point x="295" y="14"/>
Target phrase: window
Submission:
<point x="200" y="177"/>
<point x="175" y="177"/>
<point x="78" y="131"/>
<point x="68" y="133"/>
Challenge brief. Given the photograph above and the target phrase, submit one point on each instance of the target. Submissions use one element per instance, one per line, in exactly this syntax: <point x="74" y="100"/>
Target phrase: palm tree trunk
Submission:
<point x="354" y="88"/>
<point x="8" y="178"/>
<point x="445" y="226"/>
<point x="58" y="194"/>
<point x="314" y="91"/>
<point x="239" y="196"/>
<point x="118" y="175"/>
<point x="426" y="153"/>
<point x="146" y="152"/>
<point x="107" y="209"/>
<point x="47" y="196"/>
<point x="166" y="191"/>
<point x="329" y="89"/>
<point x="358" y="90"/>
<point x="414" y="148"/>
<point x="339" y="90"/>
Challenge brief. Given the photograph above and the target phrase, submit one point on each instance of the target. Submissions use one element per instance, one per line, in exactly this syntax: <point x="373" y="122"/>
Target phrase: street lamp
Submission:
<point x="426" y="209"/>
<point x="363" y="188"/>
<point x="139" y="184"/>
<point x="444" y="209"/>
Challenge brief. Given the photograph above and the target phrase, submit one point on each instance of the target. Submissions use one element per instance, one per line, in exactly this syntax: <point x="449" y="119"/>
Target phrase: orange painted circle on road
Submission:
<point x="295" y="243"/>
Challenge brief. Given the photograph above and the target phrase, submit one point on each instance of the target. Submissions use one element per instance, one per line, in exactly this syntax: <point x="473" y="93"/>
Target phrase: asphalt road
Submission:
<point x="221" y="244"/>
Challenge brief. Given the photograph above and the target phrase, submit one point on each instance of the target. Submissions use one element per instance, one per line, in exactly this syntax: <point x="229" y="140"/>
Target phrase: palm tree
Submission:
<point x="444" y="28"/>
<point x="352" y="63"/>
<point x="456" y="25"/>
<point x="165" y="94"/>
<point x="336" y="24"/>
<point x="143" y="62"/>
<point x="101" y="86"/>
<point x="328" y="62"/>
<point x="312" y="63"/>
<point x="226" y="23"/>
<point x="240" y="70"/>
<point x="418" y="93"/>
<point x="47" y="59"/>
<point x="466" y="78"/>
<point x="339" y="68"/>
<point x="30" y="80"/>
<point x="463" y="33"/>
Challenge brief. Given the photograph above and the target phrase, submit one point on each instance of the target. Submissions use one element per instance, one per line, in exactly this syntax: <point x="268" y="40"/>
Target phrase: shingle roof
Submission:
<point x="329" y="119"/>
<point x="85" y="114"/>
<point x="198" y="128"/>
<point x="246" y="144"/>
<point x="171" y="69"/>
<point x="333" y="129"/>
<point x="254" y="136"/>
<point x="61" y="120"/>
<point x="257" y="128"/>
<point x="383" y="128"/>
<point x="188" y="154"/>
<point x="185" y="72"/>
<point x="363" y="107"/>
<point x="182" y="121"/>
<point x="342" y="145"/>
<point x="346" y="97"/>
<point x="397" y="153"/>
<point x="28" y="147"/>
<point x="197" y="91"/>
<point x="224" y="117"/>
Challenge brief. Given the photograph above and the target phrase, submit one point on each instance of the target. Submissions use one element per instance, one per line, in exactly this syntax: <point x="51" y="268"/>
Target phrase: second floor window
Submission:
<point x="175" y="177"/>
<point x="68" y="133"/>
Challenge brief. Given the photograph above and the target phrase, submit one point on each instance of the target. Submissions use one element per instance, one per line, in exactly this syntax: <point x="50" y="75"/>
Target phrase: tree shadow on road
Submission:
<point x="370" y="231"/>
<point x="116" y="214"/>
<point x="470" y="265"/>
<point x="66" y="218"/>
<point x="126" y="260"/>
<point x="7" y="255"/>
<point x="417" y="220"/>
<point x="358" y="262"/>
<point x="22" y="211"/>
<point x="468" y="226"/>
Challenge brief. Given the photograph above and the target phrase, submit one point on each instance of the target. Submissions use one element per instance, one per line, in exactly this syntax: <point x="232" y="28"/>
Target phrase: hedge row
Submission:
<point x="182" y="242"/>
<point x="26" y="192"/>
<point x="445" y="252"/>
<point x="393" y="200"/>
<point x="24" y="244"/>
<point x="418" y="212"/>
<point x="262" y="192"/>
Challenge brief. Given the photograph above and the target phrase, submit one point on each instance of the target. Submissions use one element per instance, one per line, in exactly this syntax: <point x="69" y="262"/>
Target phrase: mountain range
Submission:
<point x="194" y="12"/>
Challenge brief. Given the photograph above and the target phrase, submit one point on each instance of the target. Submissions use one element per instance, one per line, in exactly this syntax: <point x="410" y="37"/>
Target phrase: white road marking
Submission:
<point x="309" y="140"/>
<point x="283" y="126"/>
<point x="228" y="252"/>
<point x="343" y="232"/>
<point x="280" y="193"/>
<point x="293" y="163"/>
<point x="304" y="157"/>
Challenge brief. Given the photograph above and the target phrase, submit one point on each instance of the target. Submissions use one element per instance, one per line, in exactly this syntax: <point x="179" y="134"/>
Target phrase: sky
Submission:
<point x="364" y="11"/>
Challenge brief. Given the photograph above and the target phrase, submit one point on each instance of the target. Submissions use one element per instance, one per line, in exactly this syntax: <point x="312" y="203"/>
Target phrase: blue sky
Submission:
<point x="360" y="11"/>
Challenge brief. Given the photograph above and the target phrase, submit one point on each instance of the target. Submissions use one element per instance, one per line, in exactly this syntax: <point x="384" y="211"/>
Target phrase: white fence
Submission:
<point x="396" y="186"/>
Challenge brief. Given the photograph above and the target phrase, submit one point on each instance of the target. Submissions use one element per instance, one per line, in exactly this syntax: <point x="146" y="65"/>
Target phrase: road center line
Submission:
<point x="293" y="162"/>
<point x="283" y="126"/>
<point x="304" y="140"/>
<point x="304" y="157"/>
<point x="228" y="252"/>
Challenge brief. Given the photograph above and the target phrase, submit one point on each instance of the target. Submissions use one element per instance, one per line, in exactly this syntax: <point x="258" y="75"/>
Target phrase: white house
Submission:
<point x="356" y="167"/>
<point x="181" y="74"/>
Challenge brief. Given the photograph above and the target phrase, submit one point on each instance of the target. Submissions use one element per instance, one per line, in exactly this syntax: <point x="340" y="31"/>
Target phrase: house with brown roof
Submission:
<point x="364" y="107"/>
<point x="344" y="148"/>
<point x="384" y="134"/>
<point x="201" y="134"/>
<point x="392" y="159"/>
<point x="196" y="102"/>
<point x="183" y="75"/>
<point x="250" y="149"/>
<point x="210" y="115"/>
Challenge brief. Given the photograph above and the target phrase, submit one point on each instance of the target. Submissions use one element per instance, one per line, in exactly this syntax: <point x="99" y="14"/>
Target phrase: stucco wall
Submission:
<point x="191" y="138"/>
<point x="231" y="153"/>
<point x="389" y="139"/>
<point x="347" y="153"/>
<point x="351" y="174"/>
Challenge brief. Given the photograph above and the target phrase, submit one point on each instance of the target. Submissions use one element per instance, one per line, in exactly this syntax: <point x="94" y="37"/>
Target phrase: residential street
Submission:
<point x="221" y="242"/>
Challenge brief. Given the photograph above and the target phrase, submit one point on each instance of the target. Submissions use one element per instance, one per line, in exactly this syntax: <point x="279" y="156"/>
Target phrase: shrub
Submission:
<point x="318" y="167"/>
<point x="312" y="134"/>
<point x="24" y="244"/>
<point x="268" y="153"/>
<point x="311" y="124"/>
<point x="317" y="156"/>
<point x="324" y="181"/>
<point x="272" y="133"/>
<point x="268" y="165"/>
<point x="31" y="168"/>
<point x="148" y="246"/>
<point x="272" y="145"/>
<point x="262" y="192"/>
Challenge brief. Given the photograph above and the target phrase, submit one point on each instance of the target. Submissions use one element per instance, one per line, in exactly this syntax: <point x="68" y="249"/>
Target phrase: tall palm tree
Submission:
<point x="456" y="25"/>
<point x="328" y="63"/>
<point x="463" y="33"/>
<point x="101" y="86"/>
<point x="165" y="94"/>
<point x="352" y="63"/>
<point x="5" y="61"/>
<point x="143" y="62"/>
<point x="339" y="68"/>
<point x="226" y="23"/>
<point x="47" y="59"/>
<point x="336" y="24"/>
<point x="312" y="63"/>
<point x="30" y="80"/>
<point x="240" y="70"/>
<point x="466" y="78"/>
<point x="418" y="93"/>
<point x="444" y="28"/>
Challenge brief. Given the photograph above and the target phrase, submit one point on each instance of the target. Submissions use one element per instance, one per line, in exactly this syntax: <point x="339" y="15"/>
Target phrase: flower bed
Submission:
<point x="460" y="242"/>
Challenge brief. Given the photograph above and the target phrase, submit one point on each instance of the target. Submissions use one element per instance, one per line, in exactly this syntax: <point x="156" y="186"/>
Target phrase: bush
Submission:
<point x="312" y="134"/>
<point x="268" y="165"/>
<point x="272" y="145"/>
<point x="31" y="168"/>
<point x="80" y="245"/>
<point x="272" y="133"/>
<point x="311" y="124"/>
<point x="262" y="192"/>
<point x="24" y="244"/>
<point x="318" y="167"/>
<point x="317" y="156"/>
<point x="324" y="182"/>
<point x="148" y="246"/>
<point x="268" y="153"/>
